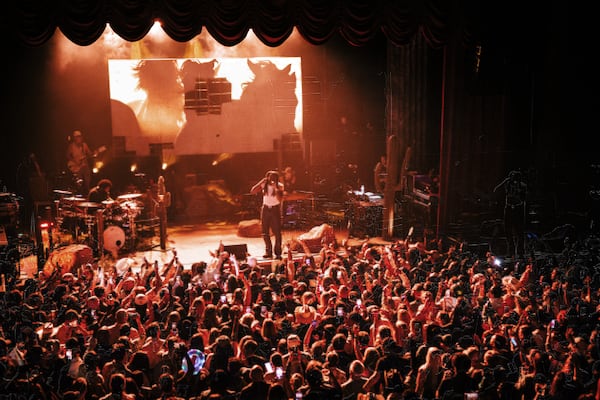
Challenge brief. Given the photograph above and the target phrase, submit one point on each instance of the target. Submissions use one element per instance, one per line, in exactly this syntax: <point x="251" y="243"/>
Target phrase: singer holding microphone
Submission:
<point x="270" y="215"/>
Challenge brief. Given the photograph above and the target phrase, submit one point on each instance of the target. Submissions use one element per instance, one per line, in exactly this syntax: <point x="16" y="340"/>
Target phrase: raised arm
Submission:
<point x="157" y="277"/>
<point x="498" y="186"/>
<point x="308" y="334"/>
<point x="258" y="186"/>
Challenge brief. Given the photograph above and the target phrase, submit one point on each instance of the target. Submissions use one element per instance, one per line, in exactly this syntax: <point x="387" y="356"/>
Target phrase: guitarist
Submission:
<point x="78" y="155"/>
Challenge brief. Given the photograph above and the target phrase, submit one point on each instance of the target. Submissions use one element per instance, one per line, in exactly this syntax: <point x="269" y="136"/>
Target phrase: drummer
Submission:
<point x="100" y="192"/>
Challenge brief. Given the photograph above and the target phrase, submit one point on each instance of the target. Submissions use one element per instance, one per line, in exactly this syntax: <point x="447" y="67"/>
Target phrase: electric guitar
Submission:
<point x="76" y="165"/>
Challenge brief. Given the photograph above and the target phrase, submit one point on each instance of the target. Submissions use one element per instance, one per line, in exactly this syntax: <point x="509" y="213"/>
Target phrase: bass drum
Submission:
<point x="113" y="239"/>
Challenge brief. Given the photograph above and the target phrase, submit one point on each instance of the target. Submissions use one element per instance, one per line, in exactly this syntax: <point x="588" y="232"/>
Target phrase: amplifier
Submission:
<point x="364" y="219"/>
<point x="239" y="250"/>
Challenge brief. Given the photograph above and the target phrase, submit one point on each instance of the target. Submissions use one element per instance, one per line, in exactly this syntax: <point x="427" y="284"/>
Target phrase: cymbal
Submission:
<point x="129" y="196"/>
<point x="74" y="198"/>
<point x="89" y="204"/>
<point x="108" y="202"/>
<point x="63" y="192"/>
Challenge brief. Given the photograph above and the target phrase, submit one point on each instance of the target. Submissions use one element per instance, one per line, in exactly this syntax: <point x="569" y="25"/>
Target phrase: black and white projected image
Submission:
<point x="205" y="106"/>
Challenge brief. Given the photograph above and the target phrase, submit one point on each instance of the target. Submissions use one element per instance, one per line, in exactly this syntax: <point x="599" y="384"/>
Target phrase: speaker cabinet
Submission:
<point x="239" y="250"/>
<point x="364" y="219"/>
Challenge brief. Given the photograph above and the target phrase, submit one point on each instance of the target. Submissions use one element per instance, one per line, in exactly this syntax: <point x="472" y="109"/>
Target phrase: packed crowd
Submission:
<point x="391" y="321"/>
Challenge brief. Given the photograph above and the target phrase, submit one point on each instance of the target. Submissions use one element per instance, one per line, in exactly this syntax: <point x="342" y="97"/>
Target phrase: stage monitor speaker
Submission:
<point x="249" y="228"/>
<point x="239" y="250"/>
<point x="68" y="259"/>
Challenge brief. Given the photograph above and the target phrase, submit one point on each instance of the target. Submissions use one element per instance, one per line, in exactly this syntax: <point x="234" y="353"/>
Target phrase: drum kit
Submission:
<point x="112" y="223"/>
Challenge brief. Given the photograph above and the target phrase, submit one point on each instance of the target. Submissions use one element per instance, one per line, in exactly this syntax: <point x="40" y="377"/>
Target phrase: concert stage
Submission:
<point x="194" y="241"/>
<point x="113" y="232"/>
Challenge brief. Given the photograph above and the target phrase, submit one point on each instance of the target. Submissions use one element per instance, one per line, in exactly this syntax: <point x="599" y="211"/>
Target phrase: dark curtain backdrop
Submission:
<point x="358" y="21"/>
<point x="470" y="83"/>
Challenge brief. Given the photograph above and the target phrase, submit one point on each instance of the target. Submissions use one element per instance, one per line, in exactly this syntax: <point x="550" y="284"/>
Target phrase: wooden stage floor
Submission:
<point x="195" y="241"/>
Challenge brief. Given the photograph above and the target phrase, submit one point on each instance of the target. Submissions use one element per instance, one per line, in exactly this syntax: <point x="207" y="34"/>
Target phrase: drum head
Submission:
<point x="114" y="239"/>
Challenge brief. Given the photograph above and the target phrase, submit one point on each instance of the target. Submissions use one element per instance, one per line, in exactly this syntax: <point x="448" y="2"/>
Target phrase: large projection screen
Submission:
<point x="205" y="106"/>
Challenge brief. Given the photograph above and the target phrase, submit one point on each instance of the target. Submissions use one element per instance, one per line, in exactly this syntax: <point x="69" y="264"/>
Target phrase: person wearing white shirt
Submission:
<point x="270" y="216"/>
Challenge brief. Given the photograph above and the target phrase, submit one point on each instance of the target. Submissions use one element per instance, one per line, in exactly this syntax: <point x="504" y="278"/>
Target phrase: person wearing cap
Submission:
<point x="305" y="313"/>
<point x="78" y="155"/>
<point x="141" y="304"/>
<point x="295" y="360"/>
<point x="90" y="314"/>
<point x="270" y="217"/>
